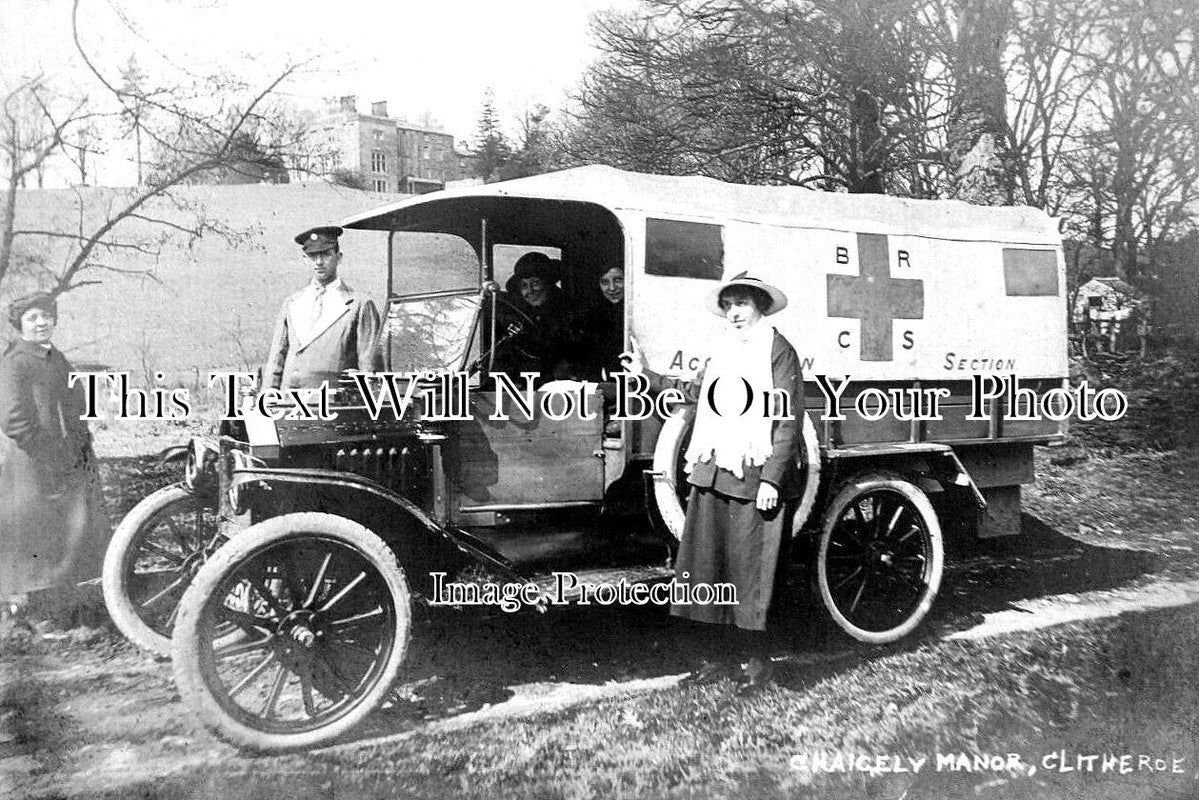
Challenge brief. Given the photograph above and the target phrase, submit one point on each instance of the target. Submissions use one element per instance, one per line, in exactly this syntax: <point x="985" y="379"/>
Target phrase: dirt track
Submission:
<point x="86" y="715"/>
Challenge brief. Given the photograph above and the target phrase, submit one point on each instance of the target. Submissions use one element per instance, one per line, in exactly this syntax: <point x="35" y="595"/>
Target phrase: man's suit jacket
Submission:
<point x="343" y="338"/>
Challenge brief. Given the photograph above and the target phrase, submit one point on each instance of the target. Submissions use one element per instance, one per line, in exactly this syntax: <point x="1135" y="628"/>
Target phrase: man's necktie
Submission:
<point x="317" y="306"/>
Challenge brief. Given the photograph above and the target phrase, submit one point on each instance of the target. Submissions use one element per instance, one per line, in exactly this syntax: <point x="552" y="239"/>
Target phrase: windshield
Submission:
<point x="423" y="263"/>
<point x="431" y="333"/>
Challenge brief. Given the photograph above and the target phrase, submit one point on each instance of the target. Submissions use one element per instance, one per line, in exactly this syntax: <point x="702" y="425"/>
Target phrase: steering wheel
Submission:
<point x="527" y="322"/>
<point x="516" y="331"/>
<point x="523" y="324"/>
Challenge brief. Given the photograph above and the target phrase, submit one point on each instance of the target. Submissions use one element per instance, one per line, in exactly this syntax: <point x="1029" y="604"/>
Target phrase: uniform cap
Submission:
<point x="319" y="239"/>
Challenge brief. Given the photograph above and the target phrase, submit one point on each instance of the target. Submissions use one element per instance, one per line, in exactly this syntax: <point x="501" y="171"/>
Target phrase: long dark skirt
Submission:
<point x="53" y="527"/>
<point x="727" y="540"/>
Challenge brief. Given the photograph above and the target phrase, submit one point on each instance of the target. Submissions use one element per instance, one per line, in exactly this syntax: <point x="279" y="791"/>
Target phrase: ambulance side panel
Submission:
<point x="883" y="309"/>
<point x="871" y="305"/>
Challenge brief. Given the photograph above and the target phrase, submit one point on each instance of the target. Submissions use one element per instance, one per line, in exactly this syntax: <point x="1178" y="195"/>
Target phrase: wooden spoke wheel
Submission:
<point x="323" y="612"/>
<point x="880" y="559"/>
<point x="153" y="556"/>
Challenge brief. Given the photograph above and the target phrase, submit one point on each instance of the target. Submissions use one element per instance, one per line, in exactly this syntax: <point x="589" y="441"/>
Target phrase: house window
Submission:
<point x="378" y="135"/>
<point x="380" y="186"/>
<point x="378" y="161"/>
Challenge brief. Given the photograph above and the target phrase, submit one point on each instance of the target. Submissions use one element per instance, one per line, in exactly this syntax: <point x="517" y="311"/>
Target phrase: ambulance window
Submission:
<point x="678" y="249"/>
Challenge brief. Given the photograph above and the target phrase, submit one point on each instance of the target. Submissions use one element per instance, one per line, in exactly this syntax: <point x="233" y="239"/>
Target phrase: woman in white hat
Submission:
<point x="742" y="467"/>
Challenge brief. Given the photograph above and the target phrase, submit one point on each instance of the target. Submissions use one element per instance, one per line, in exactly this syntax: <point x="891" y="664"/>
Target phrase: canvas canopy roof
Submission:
<point x="692" y="196"/>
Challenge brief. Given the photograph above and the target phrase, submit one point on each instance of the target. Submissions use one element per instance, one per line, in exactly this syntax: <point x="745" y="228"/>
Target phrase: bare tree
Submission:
<point x="1048" y="77"/>
<point x="690" y="88"/>
<point x="81" y="147"/>
<point x="810" y="92"/>
<point x="1145" y="126"/>
<point x="204" y="131"/>
<point x="538" y="146"/>
<point x="32" y="134"/>
<point x="981" y="163"/>
<point x="136" y="102"/>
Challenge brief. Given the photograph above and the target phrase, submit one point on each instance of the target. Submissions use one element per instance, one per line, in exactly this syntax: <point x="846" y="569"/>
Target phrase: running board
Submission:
<point x="570" y="586"/>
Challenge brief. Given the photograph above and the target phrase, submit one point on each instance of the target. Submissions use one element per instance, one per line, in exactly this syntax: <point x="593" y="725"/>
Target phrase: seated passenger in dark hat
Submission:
<point x="595" y="336"/>
<point x="532" y="317"/>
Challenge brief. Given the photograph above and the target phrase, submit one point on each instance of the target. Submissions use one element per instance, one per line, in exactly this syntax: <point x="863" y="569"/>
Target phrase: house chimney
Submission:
<point x="349" y="103"/>
<point x="379" y="108"/>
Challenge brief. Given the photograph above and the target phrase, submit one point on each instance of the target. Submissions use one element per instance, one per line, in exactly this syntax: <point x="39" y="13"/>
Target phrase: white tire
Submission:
<point x="669" y="479"/>
<point x="152" y="556"/>
<point x="324" y="615"/>
<point x="881" y="557"/>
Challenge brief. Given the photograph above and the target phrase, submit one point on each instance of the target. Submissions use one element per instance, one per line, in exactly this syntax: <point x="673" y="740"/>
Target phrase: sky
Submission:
<point x="434" y="57"/>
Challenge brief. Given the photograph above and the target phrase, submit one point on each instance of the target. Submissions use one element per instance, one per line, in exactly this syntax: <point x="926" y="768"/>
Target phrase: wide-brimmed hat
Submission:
<point x="319" y="239"/>
<point x="535" y="265"/>
<point x="778" y="300"/>
<point x="18" y="307"/>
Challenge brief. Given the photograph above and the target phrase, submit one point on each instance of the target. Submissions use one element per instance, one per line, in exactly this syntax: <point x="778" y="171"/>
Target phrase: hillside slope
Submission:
<point x="213" y="304"/>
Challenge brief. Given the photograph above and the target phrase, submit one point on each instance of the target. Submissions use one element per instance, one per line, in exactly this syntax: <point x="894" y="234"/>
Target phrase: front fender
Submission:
<point x="419" y="540"/>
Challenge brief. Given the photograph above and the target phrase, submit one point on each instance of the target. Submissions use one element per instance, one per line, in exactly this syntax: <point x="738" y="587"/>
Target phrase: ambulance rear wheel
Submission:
<point x="880" y="559"/>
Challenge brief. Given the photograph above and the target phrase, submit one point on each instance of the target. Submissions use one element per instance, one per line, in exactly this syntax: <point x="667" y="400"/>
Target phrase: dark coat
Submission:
<point x="53" y="528"/>
<point x="534" y="344"/>
<point x="725" y="538"/>
<point x="596" y="340"/>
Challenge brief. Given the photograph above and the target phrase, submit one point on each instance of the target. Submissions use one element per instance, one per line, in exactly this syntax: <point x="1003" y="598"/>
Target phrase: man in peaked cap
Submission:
<point x="324" y="328"/>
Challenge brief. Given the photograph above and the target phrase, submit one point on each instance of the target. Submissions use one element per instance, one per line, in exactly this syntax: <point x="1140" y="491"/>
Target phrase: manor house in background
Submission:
<point x="390" y="155"/>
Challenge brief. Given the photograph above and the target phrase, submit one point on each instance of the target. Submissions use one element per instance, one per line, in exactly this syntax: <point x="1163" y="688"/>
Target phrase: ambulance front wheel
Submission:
<point x="324" y="611"/>
<point x="881" y="557"/>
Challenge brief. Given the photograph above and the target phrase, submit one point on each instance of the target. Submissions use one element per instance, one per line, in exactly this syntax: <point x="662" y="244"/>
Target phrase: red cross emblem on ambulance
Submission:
<point x="875" y="298"/>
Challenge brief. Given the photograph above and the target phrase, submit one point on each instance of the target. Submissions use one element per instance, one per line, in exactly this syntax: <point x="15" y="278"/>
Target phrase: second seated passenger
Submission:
<point x="597" y="333"/>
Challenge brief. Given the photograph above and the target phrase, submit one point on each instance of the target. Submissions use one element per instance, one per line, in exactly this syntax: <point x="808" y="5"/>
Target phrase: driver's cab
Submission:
<point x="448" y="262"/>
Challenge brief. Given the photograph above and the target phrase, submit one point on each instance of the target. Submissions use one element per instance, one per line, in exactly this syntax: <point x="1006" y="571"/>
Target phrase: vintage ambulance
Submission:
<point x="885" y="293"/>
<point x="296" y="625"/>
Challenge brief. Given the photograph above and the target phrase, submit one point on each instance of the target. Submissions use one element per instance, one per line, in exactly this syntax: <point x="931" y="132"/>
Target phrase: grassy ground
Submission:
<point x="1142" y="500"/>
<point x="93" y="718"/>
<point x="1123" y="686"/>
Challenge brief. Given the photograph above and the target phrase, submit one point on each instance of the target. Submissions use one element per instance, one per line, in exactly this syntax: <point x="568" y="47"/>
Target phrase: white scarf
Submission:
<point x="730" y="438"/>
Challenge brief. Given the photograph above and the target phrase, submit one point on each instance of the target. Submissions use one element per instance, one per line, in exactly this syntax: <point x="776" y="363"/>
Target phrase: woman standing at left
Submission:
<point x="53" y="530"/>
